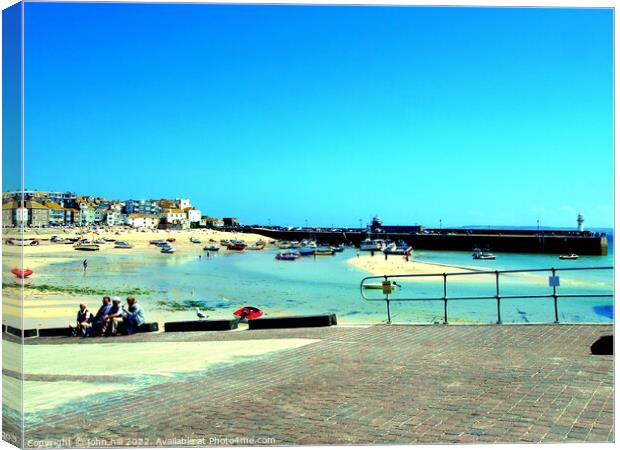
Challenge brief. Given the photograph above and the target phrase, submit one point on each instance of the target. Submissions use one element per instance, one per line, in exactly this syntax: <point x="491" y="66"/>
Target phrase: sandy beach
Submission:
<point x="43" y="308"/>
<point x="398" y="265"/>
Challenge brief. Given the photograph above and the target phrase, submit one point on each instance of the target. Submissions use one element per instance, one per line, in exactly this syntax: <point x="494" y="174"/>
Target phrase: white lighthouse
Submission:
<point x="580" y="222"/>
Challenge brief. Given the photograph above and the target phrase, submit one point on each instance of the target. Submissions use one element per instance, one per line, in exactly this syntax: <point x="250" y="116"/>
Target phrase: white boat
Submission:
<point x="168" y="250"/>
<point x="22" y="242"/>
<point x="195" y="240"/>
<point x="371" y="245"/>
<point x="478" y="254"/>
<point x="123" y="244"/>
<point x="570" y="256"/>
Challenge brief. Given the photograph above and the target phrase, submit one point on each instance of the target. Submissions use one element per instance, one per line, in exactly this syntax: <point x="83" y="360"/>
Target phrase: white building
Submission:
<point x="113" y="218"/>
<point x="183" y="203"/>
<point x="193" y="215"/>
<point x="175" y="217"/>
<point x="138" y="220"/>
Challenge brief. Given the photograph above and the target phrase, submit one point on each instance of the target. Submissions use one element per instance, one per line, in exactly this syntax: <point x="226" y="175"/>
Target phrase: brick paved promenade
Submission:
<point x="380" y="384"/>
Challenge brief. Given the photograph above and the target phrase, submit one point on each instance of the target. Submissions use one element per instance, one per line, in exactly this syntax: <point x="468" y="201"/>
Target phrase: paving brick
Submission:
<point x="380" y="384"/>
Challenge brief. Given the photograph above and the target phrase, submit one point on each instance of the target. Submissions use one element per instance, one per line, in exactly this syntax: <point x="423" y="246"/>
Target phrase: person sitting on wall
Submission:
<point x="83" y="322"/>
<point x="98" y="324"/>
<point x="114" y="319"/>
<point x="135" y="315"/>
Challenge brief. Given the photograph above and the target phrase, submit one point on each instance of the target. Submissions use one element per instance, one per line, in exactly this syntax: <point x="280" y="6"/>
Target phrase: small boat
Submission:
<point x="247" y="313"/>
<point x="163" y="244"/>
<point x="284" y="246"/>
<point x="109" y="239"/>
<point x="168" y="250"/>
<point x="21" y="273"/>
<point x="237" y="246"/>
<point x="394" y="249"/>
<point x="570" y="256"/>
<point x="100" y="241"/>
<point x="21" y="242"/>
<point x="211" y="248"/>
<point x="306" y="251"/>
<point x="171" y="239"/>
<point x="324" y="250"/>
<point x="338" y="248"/>
<point x="259" y="245"/>
<point x="288" y="256"/>
<point x="478" y="254"/>
<point x="56" y="239"/>
<point x="123" y="244"/>
<point x="195" y="241"/>
<point x="225" y="242"/>
<point x="156" y="241"/>
<point x="369" y="245"/>
<point x="87" y="247"/>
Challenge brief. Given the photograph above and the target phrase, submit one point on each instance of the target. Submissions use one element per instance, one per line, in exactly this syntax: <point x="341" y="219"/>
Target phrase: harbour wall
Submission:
<point x="504" y="242"/>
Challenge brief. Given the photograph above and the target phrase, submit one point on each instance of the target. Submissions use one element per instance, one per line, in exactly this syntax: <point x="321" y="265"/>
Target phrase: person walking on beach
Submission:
<point x="85" y="264"/>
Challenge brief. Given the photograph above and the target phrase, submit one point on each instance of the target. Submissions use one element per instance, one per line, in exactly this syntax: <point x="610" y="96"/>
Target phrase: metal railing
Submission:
<point x="388" y="281"/>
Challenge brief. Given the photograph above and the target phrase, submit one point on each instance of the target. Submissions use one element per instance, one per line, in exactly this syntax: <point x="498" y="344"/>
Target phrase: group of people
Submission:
<point x="111" y="319"/>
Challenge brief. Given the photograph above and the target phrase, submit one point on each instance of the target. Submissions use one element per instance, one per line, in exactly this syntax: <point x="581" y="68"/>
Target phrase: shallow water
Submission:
<point x="327" y="284"/>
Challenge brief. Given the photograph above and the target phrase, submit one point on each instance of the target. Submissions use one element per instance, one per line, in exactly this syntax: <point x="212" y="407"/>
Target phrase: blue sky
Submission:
<point x="285" y="113"/>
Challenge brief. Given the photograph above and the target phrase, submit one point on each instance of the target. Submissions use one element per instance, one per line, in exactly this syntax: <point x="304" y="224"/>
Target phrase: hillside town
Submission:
<point x="42" y="209"/>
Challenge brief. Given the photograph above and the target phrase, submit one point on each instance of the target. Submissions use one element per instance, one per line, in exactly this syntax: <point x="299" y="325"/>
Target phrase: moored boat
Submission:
<point x="21" y="273"/>
<point x="306" y="251"/>
<point x="211" y="248"/>
<point x="87" y="247"/>
<point x="570" y="256"/>
<point x="236" y="247"/>
<point x="247" y="313"/>
<point x="123" y="244"/>
<point x="258" y="245"/>
<point x="324" y="250"/>
<point x="479" y="254"/>
<point x="288" y="256"/>
<point x="370" y="245"/>
<point x="168" y="250"/>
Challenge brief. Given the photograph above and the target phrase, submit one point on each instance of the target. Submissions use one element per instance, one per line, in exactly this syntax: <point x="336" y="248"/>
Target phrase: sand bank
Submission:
<point x="397" y="265"/>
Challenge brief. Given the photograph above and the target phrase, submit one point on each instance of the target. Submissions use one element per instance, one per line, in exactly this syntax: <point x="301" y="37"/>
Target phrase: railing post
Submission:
<point x="499" y="315"/>
<point x="387" y="303"/>
<point x="555" y="298"/>
<point x="445" y="299"/>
